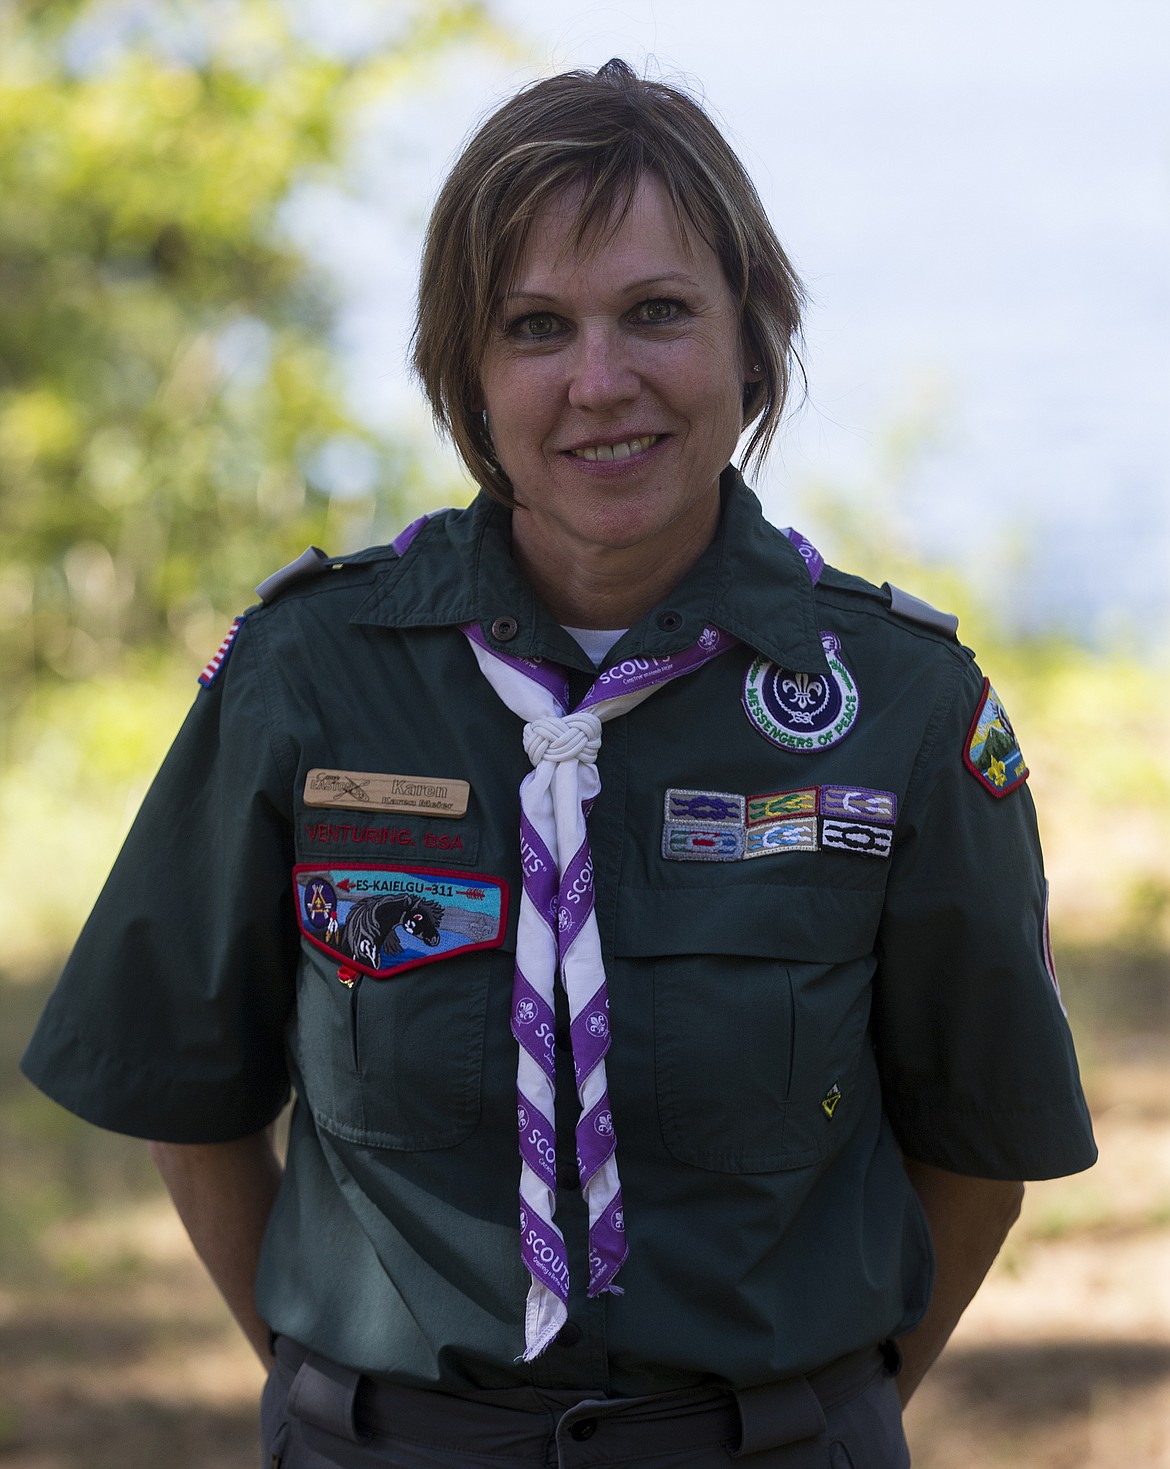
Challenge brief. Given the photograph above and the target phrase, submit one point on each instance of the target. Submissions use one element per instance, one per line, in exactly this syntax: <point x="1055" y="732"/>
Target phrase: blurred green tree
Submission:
<point x="166" y="381"/>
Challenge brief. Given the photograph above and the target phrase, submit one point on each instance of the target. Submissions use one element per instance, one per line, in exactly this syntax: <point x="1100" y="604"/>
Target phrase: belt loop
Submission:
<point x="324" y="1394"/>
<point x="777" y="1413"/>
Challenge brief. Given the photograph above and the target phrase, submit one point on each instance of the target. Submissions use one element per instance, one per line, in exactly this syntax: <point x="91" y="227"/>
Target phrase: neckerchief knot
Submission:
<point x="575" y="737"/>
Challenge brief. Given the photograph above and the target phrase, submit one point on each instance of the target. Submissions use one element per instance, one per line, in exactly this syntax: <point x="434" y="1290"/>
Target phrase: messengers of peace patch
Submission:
<point x="992" y="753"/>
<point x="802" y="711"/>
<point x="381" y="919"/>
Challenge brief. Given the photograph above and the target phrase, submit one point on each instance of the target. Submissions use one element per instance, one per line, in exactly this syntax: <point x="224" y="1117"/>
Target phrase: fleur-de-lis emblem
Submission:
<point x="804" y="690"/>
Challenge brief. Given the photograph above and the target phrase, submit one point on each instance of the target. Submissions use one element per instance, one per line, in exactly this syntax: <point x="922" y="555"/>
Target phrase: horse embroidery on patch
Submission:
<point x="382" y="919"/>
<point x="992" y="753"/>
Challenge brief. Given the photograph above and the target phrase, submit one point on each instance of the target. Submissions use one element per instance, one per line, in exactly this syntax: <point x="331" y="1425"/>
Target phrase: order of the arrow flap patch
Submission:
<point x="992" y="753"/>
<point x="382" y="919"/>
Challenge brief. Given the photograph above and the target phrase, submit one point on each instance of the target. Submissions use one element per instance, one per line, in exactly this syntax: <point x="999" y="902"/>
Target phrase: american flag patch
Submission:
<point x="219" y="658"/>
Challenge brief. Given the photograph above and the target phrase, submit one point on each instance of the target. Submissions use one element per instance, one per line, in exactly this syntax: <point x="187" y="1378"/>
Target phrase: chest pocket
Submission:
<point x="397" y="1062"/>
<point x="761" y="1001"/>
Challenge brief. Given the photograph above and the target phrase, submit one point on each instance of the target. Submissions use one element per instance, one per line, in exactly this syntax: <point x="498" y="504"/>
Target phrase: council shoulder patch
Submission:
<point x="992" y="752"/>
<point x="805" y="712"/>
<point x="381" y="919"/>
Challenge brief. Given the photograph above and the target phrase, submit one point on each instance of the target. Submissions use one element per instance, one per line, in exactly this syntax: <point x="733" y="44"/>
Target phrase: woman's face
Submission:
<point x="613" y="384"/>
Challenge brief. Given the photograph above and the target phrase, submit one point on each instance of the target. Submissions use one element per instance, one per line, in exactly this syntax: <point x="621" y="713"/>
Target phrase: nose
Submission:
<point x="602" y="373"/>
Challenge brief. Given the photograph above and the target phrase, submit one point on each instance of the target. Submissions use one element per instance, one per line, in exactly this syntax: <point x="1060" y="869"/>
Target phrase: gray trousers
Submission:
<point x="317" y="1415"/>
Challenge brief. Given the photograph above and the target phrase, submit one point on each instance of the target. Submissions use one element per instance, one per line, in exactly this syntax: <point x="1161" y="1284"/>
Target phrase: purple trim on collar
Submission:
<point x="403" y="540"/>
<point x="548" y="675"/>
<point x="813" y="560"/>
<point x="633" y="674"/>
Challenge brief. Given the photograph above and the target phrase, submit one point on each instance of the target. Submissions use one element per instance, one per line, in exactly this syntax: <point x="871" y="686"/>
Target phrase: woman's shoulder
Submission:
<point x="896" y="618"/>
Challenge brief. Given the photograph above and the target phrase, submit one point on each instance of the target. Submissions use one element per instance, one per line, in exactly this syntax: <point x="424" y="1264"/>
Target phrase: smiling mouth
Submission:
<point x="604" y="453"/>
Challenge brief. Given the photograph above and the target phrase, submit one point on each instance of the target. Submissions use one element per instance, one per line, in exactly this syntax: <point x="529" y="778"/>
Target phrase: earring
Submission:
<point x="757" y="367"/>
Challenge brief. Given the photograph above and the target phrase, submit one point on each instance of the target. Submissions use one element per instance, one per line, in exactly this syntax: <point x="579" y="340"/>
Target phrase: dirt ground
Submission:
<point x="1063" y="1359"/>
<point x="115" y="1353"/>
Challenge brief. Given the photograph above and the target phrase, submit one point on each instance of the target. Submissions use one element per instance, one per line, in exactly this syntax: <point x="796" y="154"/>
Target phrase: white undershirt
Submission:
<point x="596" y="641"/>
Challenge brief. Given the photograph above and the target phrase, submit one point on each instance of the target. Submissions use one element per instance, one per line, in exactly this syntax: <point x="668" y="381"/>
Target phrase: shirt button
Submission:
<point x="504" y="629"/>
<point x="568" y="1177"/>
<point x="586" y="1428"/>
<point x="569" y="1334"/>
<point x="669" y="621"/>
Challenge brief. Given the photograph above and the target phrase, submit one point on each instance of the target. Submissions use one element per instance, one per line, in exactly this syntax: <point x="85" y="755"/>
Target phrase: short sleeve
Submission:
<point x="978" y="1070"/>
<point x="168" y="1020"/>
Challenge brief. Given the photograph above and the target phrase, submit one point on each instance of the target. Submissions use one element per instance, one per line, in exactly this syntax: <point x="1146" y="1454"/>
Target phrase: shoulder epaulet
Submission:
<point x="914" y="609"/>
<point x="403" y="541"/>
<point x="311" y="560"/>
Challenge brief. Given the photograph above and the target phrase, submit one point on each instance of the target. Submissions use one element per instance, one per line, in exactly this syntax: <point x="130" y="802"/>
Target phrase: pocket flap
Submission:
<point x="792" y="922"/>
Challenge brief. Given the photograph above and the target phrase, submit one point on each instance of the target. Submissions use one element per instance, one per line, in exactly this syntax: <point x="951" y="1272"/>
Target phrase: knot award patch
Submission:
<point x="802" y="711"/>
<point x="992" y="752"/>
<point x="855" y="819"/>
<point x="380" y="919"/>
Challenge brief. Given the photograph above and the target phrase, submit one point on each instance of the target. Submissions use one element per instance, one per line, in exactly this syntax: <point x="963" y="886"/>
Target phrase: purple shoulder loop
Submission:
<point x="813" y="560"/>
<point x="402" y="541"/>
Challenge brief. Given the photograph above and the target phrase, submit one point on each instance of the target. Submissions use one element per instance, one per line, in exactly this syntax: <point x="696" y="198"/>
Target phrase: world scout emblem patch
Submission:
<point x="804" y="712"/>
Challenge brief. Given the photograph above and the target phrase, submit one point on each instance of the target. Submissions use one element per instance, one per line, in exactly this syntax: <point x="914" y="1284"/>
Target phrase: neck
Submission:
<point x="592" y="586"/>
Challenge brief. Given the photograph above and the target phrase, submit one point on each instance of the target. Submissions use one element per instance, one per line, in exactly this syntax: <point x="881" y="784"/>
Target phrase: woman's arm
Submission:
<point x="969" y="1221"/>
<point x="224" y="1194"/>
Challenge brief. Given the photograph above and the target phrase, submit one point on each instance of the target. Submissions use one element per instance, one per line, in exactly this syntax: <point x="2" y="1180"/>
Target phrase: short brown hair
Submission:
<point x="599" y="133"/>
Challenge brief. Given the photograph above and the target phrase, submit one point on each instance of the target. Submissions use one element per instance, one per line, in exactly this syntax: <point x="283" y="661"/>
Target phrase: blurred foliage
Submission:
<point x="1094" y="726"/>
<point x="171" y="427"/>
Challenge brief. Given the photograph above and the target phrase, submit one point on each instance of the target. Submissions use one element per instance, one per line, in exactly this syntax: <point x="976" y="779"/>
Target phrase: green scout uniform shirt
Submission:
<point x="766" y="1236"/>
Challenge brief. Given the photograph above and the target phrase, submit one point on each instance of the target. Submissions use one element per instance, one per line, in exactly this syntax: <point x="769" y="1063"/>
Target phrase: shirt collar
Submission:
<point x="750" y="581"/>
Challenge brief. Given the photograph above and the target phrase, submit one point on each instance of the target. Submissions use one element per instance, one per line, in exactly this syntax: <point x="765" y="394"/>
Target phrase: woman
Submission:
<point x="748" y="987"/>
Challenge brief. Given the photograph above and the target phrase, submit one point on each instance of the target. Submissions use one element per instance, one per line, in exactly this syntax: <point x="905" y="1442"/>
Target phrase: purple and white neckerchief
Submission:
<point x="813" y="560"/>
<point x="557" y="934"/>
